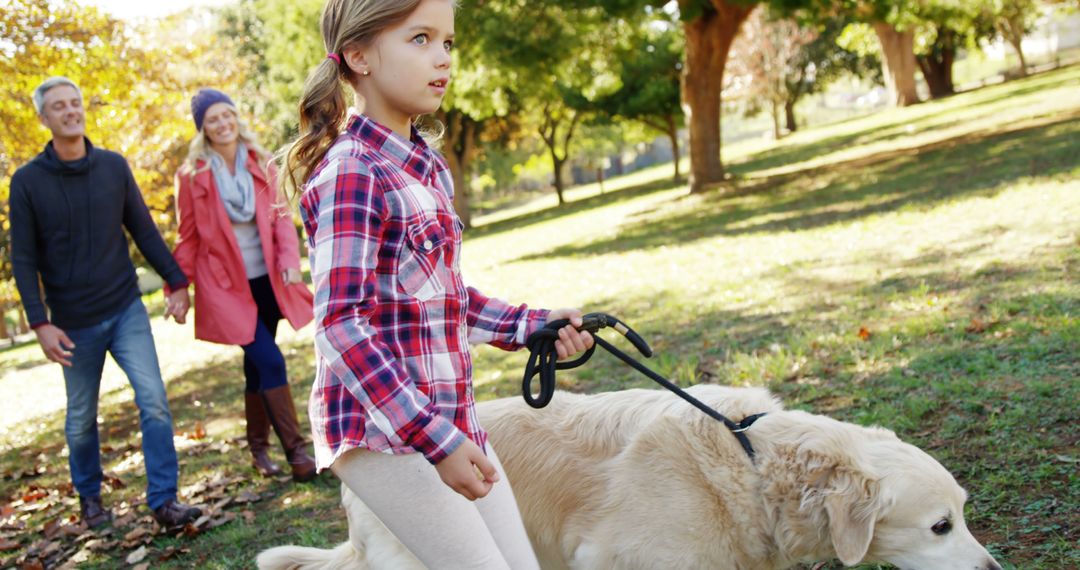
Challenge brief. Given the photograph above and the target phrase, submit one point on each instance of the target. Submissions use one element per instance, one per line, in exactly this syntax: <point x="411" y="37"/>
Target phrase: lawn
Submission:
<point x="917" y="269"/>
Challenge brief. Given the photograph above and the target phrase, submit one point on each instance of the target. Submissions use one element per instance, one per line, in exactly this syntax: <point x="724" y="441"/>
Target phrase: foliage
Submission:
<point x="135" y="91"/>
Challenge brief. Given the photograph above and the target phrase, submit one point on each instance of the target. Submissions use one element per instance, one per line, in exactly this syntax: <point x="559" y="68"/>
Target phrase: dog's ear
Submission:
<point x="853" y="505"/>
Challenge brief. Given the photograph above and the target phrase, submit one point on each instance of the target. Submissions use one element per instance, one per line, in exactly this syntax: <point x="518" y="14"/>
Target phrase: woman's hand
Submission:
<point x="468" y="471"/>
<point x="571" y="341"/>
<point x="291" y="276"/>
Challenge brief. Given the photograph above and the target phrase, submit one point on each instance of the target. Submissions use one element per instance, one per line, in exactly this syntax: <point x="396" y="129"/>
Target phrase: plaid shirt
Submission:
<point x="394" y="318"/>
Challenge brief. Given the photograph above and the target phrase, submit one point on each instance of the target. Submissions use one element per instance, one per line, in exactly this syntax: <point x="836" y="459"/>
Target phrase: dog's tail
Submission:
<point x="306" y="558"/>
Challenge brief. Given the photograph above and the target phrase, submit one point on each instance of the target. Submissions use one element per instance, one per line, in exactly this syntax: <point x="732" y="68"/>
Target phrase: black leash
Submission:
<point x="543" y="360"/>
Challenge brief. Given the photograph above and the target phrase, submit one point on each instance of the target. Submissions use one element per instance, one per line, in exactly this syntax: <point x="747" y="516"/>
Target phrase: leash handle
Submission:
<point x="543" y="359"/>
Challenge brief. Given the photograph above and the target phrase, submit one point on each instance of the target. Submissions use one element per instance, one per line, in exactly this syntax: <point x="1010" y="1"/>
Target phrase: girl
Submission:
<point x="243" y="255"/>
<point x="393" y="389"/>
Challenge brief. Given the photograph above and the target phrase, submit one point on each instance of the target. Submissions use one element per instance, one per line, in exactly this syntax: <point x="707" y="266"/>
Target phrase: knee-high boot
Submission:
<point x="282" y="412"/>
<point x="258" y="434"/>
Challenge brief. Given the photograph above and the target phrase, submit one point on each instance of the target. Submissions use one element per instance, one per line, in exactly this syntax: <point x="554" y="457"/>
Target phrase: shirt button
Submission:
<point x="427" y="244"/>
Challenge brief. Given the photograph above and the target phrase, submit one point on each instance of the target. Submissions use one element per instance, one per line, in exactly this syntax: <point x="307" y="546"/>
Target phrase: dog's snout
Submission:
<point x="992" y="565"/>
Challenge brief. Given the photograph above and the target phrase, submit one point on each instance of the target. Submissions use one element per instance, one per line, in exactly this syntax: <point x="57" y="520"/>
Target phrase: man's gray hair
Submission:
<point x="39" y="93"/>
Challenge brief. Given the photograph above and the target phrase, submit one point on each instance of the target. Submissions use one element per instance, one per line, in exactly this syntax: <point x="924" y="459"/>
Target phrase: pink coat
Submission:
<point x="207" y="252"/>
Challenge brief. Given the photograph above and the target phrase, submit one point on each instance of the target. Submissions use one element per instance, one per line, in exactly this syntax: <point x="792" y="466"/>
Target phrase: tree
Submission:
<point x="769" y="58"/>
<point x="1013" y="20"/>
<point x="710" y="28"/>
<point x="650" y="83"/>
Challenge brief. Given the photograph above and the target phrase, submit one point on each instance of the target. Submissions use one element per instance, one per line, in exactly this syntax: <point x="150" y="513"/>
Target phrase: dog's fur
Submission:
<point x="640" y="479"/>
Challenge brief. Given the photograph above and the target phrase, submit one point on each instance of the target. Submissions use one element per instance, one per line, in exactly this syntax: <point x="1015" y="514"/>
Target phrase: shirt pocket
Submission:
<point x="421" y="259"/>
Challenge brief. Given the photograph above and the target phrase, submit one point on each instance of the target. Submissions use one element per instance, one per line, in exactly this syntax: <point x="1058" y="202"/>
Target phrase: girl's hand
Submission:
<point x="468" y="471"/>
<point x="571" y="341"/>
<point x="291" y="276"/>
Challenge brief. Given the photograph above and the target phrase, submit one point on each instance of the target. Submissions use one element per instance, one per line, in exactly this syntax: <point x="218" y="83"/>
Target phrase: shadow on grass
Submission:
<point x="979" y="164"/>
<point x="916" y="118"/>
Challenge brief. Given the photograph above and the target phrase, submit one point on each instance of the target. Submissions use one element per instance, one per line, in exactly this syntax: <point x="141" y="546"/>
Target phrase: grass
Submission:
<point x="918" y="269"/>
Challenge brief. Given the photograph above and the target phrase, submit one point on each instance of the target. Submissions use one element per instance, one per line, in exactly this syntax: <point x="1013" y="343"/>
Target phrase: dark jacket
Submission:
<point x="67" y="225"/>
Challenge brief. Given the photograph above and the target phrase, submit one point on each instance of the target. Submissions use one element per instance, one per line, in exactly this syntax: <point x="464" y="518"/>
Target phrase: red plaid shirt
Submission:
<point x="394" y="318"/>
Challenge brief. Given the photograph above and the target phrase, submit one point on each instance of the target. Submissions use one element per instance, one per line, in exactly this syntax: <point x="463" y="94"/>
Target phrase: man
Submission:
<point x="69" y="208"/>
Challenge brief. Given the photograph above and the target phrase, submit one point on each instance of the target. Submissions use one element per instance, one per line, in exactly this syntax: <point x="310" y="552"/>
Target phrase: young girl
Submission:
<point x="393" y="389"/>
<point x="242" y="253"/>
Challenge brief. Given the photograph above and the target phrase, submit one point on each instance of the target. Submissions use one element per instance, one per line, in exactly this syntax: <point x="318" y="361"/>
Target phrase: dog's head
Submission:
<point x="892" y="502"/>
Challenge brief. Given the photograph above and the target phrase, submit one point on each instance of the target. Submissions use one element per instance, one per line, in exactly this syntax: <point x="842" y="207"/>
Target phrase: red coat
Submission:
<point x="207" y="252"/>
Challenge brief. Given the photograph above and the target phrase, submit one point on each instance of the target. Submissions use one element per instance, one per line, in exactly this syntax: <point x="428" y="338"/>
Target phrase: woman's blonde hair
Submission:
<point x="199" y="149"/>
<point x="323" y="108"/>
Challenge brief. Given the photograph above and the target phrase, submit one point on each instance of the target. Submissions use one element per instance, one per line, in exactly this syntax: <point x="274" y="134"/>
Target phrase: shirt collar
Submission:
<point x="413" y="155"/>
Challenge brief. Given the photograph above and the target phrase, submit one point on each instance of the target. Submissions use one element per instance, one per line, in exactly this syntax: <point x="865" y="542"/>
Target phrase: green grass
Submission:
<point x="918" y="269"/>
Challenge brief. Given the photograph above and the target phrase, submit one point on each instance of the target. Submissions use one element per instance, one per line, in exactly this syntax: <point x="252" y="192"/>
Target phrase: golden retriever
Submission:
<point x="640" y="479"/>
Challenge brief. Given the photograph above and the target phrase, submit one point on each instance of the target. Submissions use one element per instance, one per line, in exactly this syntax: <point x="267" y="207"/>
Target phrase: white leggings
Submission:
<point x="440" y="527"/>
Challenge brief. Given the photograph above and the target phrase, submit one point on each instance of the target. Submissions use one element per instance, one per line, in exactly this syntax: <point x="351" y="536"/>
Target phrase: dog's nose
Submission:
<point x="992" y="565"/>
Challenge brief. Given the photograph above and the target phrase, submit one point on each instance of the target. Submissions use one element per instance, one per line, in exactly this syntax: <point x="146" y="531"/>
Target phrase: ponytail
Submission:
<point x="322" y="112"/>
<point x="323" y="107"/>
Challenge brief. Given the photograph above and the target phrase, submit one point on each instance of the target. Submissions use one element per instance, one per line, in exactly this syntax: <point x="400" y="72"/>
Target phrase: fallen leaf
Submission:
<point x="247" y="497"/>
<point x="137" y="556"/>
<point x="249" y="516"/>
<point x="864" y="333"/>
<point x="136" y="534"/>
<point x="143" y="566"/>
<point x="8" y="545"/>
<point x="976" y="326"/>
<point x="223" y="519"/>
<point x="34" y="494"/>
<point x="51" y="528"/>
<point x="125" y="520"/>
<point x="32" y="564"/>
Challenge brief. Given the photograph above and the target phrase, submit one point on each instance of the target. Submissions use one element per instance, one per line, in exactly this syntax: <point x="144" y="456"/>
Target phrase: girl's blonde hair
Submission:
<point x="199" y="149"/>
<point x="323" y="107"/>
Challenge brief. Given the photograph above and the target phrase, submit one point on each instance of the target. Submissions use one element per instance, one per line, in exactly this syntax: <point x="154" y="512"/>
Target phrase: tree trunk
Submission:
<point x="3" y="323"/>
<point x="673" y="134"/>
<point x="937" y="66"/>
<point x="557" y="163"/>
<point x="1011" y="27"/>
<point x="708" y="40"/>
<point x="789" y="115"/>
<point x="899" y="63"/>
<point x="549" y="132"/>
<point x="460" y="135"/>
<point x="774" y="110"/>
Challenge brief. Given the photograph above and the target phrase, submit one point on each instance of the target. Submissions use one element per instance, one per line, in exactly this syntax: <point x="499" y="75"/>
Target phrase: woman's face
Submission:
<point x="220" y="125"/>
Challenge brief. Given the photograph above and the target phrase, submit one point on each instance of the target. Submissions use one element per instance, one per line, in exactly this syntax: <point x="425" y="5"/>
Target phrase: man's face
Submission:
<point x="63" y="113"/>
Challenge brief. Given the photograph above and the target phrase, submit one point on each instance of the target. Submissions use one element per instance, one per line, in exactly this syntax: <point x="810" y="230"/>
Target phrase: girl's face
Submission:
<point x="220" y="125"/>
<point x="409" y="64"/>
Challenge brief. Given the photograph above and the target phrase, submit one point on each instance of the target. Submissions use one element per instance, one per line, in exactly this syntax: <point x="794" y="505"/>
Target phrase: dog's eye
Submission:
<point x="943" y="526"/>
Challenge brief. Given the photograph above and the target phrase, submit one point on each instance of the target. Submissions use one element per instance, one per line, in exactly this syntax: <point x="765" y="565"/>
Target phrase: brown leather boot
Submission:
<point x="258" y="435"/>
<point x="279" y="405"/>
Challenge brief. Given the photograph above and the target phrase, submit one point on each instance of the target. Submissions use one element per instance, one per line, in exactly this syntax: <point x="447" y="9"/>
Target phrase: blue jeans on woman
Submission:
<point x="128" y="338"/>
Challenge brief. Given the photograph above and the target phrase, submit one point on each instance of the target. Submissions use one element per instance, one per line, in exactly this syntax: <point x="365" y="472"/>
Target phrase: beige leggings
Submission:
<point x="440" y="527"/>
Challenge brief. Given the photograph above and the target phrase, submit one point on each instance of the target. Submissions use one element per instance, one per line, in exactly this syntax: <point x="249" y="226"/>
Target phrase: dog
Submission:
<point x="640" y="479"/>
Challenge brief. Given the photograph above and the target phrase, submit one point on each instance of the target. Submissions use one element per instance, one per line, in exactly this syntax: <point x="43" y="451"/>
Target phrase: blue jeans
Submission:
<point x="128" y="338"/>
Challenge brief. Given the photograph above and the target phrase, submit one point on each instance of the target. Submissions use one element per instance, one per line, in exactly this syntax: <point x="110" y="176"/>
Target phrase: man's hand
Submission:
<point x="291" y="276"/>
<point x="571" y="341"/>
<point x="177" y="305"/>
<point x="55" y="344"/>
<point x="468" y="471"/>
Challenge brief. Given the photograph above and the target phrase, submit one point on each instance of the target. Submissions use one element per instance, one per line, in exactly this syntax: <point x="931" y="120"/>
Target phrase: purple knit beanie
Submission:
<point x="203" y="100"/>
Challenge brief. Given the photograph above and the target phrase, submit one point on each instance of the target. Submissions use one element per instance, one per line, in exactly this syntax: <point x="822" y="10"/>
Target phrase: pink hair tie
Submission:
<point x="335" y="57"/>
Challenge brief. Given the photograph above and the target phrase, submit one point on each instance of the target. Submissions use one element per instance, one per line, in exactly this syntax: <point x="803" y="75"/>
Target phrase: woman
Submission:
<point x="242" y="253"/>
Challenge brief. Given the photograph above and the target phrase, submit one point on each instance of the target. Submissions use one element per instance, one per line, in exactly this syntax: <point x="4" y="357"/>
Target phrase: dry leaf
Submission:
<point x="249" y="516"/>
<point x="137" y="556"/>
<point x="32" y="564"/>
<point x="136" y="534"/>
<point x="864" y="333"/>
<point x="976" y="326"/>
<point x="8" y="545"/>
<point x="143" y="566"/>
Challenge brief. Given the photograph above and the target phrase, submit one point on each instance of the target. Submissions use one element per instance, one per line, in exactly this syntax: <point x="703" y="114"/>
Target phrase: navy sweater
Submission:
<point x="67" y="226"/>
